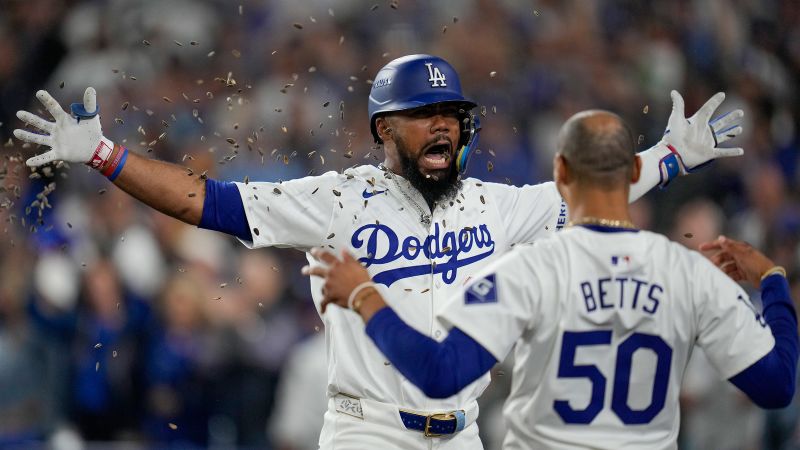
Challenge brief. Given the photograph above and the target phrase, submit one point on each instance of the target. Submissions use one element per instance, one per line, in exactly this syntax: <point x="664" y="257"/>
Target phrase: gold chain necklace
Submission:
<point x="588" y="220"/>
<point x="424" y="217"/>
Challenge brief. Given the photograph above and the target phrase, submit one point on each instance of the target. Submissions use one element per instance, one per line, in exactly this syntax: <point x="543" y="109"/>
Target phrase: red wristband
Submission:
<point x="114" y="161"/>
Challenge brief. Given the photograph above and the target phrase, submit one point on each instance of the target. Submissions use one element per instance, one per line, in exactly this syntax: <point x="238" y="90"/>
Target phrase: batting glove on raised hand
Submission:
<point x="72" y="138"/>
<point x="696" y="140"/>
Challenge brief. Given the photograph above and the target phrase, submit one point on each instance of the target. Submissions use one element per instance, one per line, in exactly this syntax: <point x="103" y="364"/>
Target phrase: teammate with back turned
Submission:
<point x="604" y="316"/>
<point x="420" y="228"/>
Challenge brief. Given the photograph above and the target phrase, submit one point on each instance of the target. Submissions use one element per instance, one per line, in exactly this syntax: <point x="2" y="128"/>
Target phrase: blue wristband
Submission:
<point x="118" y="169"/>
<point x="669" y="168"/>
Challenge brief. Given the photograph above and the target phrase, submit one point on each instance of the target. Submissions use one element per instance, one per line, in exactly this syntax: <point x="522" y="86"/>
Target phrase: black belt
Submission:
<point x="433" y="425"/>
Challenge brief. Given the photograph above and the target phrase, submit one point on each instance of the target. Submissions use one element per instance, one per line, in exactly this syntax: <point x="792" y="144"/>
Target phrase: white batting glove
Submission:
<point x="72" y="138"/>
<point x="695" y="140"/>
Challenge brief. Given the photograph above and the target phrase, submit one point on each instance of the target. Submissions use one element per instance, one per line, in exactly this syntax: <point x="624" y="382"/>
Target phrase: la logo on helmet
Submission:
<point x="435" y="76"/>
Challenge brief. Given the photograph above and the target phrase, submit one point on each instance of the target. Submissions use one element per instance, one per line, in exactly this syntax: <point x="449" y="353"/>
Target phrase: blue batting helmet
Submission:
<point x="420" y="80"/>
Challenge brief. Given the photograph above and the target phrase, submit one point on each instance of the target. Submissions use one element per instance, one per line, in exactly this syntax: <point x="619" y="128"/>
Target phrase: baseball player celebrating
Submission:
<point x="604" y="316"/>
<point x="419" y="228"/>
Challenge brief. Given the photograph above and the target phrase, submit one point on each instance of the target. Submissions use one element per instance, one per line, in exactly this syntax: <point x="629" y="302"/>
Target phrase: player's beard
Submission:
<point x="433" y="190"/>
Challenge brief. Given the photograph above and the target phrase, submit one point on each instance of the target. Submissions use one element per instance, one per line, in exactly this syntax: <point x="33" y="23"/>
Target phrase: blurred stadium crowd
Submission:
<point x="123" y="328"/>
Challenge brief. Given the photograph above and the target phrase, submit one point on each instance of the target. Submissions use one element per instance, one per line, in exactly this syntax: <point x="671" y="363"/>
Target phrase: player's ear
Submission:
<point x="383" y="128"/>
<point x="637" y="169"/>
<point x="561" y="175"/>
<point x="560" y="169"/>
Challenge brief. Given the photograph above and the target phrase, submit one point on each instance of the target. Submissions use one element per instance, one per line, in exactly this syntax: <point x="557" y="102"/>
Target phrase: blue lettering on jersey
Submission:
<point x="482" y="291"/>
<point x="588" y="296"/>
<point x="449" y="245"/>
<point x="653" y="306"/>
<point x="601" y="293"/>
<point x="562" y="216"/>
<point x="595" y="294"/>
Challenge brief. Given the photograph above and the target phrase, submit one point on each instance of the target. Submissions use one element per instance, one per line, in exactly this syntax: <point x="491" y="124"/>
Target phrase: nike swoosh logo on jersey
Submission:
<point x="448" y="246"/>
<point x="367" y="194"/>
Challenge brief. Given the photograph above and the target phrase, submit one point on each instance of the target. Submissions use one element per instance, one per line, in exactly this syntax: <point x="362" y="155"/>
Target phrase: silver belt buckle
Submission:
<point x="348" y="404"/>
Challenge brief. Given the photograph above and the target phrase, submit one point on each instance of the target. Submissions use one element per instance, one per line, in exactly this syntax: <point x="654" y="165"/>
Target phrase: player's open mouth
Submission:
<point x="437" y="156"/>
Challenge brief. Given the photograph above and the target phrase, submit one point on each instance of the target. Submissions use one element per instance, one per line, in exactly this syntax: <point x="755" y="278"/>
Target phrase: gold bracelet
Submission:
<point x="361" y="297"/>
<point x="777" y="269"/>
<point x="356" y="291"/>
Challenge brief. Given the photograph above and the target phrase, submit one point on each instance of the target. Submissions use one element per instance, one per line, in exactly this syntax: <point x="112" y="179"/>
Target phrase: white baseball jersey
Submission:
<point x="604" y="325"/>
<point x="419" y="264"/>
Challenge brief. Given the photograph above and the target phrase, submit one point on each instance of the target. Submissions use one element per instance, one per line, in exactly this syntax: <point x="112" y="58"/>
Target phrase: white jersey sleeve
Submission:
<point x="730" y="330"/>
<point x="499" y="304"/>
<point x="530" y="212"/>
<point x="296" y="213"/>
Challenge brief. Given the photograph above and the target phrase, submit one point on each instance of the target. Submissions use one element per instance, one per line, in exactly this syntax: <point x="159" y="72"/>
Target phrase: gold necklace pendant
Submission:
<point x="424" y="217"/>
<point x="588" y="220"/>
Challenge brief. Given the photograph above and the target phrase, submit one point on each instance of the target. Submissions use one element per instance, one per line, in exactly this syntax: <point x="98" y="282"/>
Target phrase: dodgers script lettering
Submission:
<point x="383" y="246"/>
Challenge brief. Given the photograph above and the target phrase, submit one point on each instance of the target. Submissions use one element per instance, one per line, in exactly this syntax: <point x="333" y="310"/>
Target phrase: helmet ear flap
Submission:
<point x="468" y="141"/>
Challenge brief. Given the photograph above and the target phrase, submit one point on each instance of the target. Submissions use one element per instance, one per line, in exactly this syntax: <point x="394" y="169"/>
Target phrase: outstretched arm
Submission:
<point x="164" y="186"/>
<point x="78" y="138"/>
<point x="687" y="144"/>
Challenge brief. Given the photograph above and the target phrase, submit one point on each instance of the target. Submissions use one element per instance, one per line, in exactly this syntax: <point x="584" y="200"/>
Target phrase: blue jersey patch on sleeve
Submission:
<point x="482" y="291"/>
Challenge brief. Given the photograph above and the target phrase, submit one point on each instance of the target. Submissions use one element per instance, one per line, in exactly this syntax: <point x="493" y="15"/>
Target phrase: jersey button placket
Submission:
<point x="433" y="282"/>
